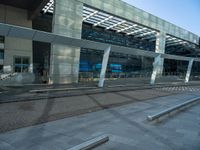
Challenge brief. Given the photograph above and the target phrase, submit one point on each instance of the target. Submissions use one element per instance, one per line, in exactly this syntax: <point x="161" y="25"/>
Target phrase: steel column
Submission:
<point x="156" y="67"/>
<point x="160" y="48"/>
<point x="187" y="77"/>
<point x="104" y="66"/>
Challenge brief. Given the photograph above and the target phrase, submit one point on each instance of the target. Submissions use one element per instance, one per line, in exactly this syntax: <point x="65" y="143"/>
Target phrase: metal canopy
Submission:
<point x="173" y="41"/>
<point x="110" y="22"/>
<point x="49" y="7"/>
<point x="36" y="35"/>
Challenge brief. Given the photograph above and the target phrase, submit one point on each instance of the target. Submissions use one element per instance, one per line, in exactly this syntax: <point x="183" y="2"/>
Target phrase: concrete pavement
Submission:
<point x="126" y="125"/>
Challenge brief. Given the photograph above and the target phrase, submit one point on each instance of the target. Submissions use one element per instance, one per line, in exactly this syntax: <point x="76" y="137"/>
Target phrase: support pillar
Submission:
<point x="158" y="61"/>
<point x="64" y="60"/>
<point x="104" y="66"/>
<point x="187" y="77"/>
<point x="156" y="67"/>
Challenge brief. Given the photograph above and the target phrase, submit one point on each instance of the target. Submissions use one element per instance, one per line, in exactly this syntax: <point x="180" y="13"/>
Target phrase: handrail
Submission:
<point x="91" y="143"/>
<point x="162" y="113"/>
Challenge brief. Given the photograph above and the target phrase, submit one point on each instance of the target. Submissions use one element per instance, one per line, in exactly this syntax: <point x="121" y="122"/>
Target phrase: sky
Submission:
<point x="183" y="13"/>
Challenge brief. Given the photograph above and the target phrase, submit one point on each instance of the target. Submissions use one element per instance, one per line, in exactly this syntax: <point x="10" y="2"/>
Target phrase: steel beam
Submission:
<point x="32" y="14"/>
<point x="47" y="37"/>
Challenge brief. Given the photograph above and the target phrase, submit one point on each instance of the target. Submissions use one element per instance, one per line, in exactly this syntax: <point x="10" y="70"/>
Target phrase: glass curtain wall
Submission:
<point x="173" y="71"/>
<point x="195" y="73"/>
<point x="108" y="36"/>
<point x="90" y="65"/>
<point x="120" y="66"/>
<point x="128" y="69"/>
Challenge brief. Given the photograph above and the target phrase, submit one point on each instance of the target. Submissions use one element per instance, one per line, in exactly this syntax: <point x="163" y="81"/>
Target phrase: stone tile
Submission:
<point x="126" y="125"/>
<point x="108" y="99"/>
<point x="6" y="146"/>
<point x="37" y="147"/>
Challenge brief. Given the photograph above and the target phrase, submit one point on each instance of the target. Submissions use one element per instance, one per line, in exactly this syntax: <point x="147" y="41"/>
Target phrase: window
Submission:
<point x="1" y="68"/>
<point x="1" y="54"/>
<point x="21" y="64"/>
<point x="1" y="39"/>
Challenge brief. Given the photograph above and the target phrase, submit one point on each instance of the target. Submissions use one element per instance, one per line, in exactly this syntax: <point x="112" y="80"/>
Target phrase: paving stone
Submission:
<point x="126" y="125"/>
<point x="6" y="146"/>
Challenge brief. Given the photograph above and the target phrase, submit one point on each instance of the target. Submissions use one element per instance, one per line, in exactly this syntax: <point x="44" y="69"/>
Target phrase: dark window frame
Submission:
<point x="21" y="66"/>
<point x="1" y="54"/>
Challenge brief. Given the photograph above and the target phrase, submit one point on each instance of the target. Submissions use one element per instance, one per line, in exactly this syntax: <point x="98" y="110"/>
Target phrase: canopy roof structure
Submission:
<point x="110" y="22"/>
<point x="99" y="18"/>
<point x="106" y="26"/>
<point x="41" y="36"/>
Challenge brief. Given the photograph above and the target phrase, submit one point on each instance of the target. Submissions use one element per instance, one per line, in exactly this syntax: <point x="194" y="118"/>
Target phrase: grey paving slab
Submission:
<point x="5" y="146"/>
<point x="126" y="125"/>
<point x="34" y="147"/>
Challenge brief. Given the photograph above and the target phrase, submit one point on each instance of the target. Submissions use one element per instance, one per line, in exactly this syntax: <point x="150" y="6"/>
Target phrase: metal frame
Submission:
<point x="49" y="7"/>
<point x="36" y="35"/>
<point x="173" y="41"/>
<point x="109" y="22"/>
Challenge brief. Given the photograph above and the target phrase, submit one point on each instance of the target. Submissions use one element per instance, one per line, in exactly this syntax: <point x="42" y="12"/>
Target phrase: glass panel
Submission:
<point x="1" y="39"/>
<point x="100" y="35"/>
<point x="17" y="60"/>
<point x="17" y="67"/>
<point x="195" y="72"/>
<point x="25" y="60"/>
<point x="121" y="68"/>
<point x="173" y="71"/>
<point x="25" y="68"/>
<point x="90" y="65"/>
<point x="21" y="64"/>
<point x="1" y="54"/>
<point x="1" y="68"/>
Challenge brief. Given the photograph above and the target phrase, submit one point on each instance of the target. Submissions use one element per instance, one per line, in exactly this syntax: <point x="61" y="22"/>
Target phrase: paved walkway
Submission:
<point x="126" y="125"/>
<point x="23" y="93"/>
<point x="26" y="113"/>
<point x="181" y="88"/>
